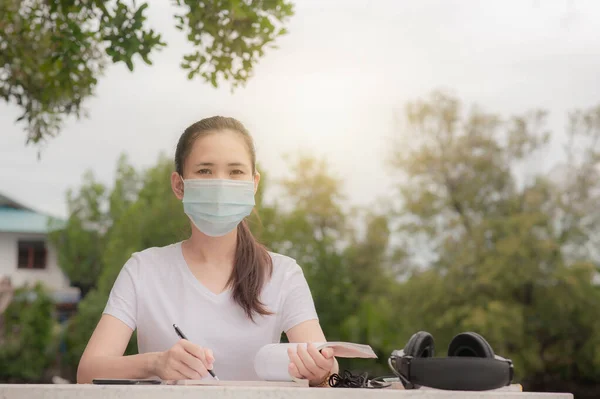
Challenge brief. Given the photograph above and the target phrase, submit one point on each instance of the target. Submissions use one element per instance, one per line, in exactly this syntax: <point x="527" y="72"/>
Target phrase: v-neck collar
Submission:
<point x="185" y="268"/>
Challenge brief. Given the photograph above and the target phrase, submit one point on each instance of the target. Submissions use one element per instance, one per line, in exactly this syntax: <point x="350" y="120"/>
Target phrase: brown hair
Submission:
<point x="252" y="264"/>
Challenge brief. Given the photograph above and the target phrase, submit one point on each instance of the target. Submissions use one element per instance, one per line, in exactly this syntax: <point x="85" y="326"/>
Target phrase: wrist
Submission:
<point x="151" y="363"/>
<point x="324" y="382"/>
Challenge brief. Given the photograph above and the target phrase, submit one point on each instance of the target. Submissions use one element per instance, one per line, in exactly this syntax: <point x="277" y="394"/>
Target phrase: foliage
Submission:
<point x="52" y="53"/>
<point x="82" y="239"/>
<point x="79" y="330"/>
<point x="29" y="341"/>
<point x="511" y="260"/>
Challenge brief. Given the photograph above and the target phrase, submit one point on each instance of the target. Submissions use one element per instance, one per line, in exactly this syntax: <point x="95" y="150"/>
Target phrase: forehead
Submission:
<point x="224" y="146"/>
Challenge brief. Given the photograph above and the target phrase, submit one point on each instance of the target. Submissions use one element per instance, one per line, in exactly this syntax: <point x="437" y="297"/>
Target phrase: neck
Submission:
<point x="212" y="251"/>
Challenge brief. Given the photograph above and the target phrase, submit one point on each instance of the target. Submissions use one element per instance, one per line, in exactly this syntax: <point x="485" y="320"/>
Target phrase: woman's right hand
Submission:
<point x="183" y="361"/>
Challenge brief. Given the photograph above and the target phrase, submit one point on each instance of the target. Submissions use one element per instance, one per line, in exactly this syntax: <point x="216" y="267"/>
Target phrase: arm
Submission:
<point x="308" y="362"/>
<point x="301" y="325"/>
<point x="103" y="355"/>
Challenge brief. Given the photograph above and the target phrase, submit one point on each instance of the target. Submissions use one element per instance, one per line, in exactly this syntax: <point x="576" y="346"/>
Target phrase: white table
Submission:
<point x="74" y="391"/>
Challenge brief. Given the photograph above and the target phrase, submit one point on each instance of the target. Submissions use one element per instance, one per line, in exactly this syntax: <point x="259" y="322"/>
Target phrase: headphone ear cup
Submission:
<point x="470" y="344"/>
<point x="421" y="344"/>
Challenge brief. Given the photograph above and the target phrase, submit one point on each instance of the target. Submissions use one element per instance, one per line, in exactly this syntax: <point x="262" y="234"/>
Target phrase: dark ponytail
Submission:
<point x="252" y="264"/>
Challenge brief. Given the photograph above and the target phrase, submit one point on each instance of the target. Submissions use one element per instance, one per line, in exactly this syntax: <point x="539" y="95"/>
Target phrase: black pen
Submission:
<point x="180" y="333"/>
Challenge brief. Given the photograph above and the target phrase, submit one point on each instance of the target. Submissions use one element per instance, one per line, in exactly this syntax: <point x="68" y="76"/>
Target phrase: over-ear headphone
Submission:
<point x="471" y="364"/>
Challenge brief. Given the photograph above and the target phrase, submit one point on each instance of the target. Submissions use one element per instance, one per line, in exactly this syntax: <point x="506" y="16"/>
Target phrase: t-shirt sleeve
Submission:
<point x="298" y="305"/>
<point x="122" y="300"/>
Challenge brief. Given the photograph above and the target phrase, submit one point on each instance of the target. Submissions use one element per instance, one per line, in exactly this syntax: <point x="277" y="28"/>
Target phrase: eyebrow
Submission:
<point x="212" y="164"/>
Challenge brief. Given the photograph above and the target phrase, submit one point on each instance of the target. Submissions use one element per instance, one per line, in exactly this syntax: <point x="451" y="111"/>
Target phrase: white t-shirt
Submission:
<point x="156" y="289"/>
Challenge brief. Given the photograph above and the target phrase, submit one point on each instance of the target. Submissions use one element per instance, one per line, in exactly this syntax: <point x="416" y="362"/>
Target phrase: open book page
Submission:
<point x="347" y="349"/>
<point x="271" y="361"/>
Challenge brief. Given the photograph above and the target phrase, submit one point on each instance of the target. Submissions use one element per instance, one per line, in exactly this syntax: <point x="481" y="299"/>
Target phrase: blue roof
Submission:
<point x="22" y="221"/>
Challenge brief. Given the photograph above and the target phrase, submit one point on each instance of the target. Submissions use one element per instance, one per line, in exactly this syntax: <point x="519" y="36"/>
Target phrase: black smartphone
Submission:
<point x="124" y="381"/>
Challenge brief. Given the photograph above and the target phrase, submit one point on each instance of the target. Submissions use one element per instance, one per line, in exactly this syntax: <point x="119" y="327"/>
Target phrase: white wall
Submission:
<point x="52" y="276"/>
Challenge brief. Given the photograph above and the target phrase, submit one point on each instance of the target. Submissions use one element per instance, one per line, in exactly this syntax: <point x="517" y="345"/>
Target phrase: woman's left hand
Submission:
<point x="306" y="362"/>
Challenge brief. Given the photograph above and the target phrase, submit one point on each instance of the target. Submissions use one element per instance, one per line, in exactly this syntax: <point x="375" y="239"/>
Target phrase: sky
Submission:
<point x="334" y="88"/>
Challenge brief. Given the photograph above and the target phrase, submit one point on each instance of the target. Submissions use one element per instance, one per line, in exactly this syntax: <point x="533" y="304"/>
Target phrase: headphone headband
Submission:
<point x="453" y="373"/>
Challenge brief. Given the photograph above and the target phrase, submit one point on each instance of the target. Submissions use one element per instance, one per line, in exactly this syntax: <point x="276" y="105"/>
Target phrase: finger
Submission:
<point x="308" y="360"/>
<point x="322" y="359"/>
<point x="194" y="363"/>
<point x="175" y="375"/>
<point x="299" y="364"/>
<point x="186" y="371"/>
<point x="327" y="353"/>
<point x="294" y="372"/>
<point x="210" y="358"/>
<point x="194" y="350"/>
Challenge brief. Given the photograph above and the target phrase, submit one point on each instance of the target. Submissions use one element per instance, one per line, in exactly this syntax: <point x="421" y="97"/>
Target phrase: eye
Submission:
<point x="204" y="171"/>
<point x="237" y="172"/>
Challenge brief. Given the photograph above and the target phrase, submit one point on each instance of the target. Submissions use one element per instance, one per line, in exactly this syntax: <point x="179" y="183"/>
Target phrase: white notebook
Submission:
<point x="271" y="361"/>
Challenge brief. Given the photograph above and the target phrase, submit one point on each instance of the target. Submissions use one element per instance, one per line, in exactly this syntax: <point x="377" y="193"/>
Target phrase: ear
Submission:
<point x="256" y="181"/>
<point x="177" y="185"/>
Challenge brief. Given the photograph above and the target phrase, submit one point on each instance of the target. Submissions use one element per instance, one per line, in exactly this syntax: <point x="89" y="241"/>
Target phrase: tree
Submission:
<point x="52" y="53"/>
<point x="81" y="241"/>
<point x="29" y="344"/>
<point x="311" y="224"/>
<point x="372" y="275"/>
<point x="511" y="260"/>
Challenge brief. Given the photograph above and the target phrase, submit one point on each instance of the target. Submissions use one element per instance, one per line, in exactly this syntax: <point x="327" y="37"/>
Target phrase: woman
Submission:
<point x="226" y="292"/>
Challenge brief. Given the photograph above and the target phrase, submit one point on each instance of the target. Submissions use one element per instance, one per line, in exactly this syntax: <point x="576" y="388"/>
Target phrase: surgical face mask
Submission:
<point x="217" y="206"/>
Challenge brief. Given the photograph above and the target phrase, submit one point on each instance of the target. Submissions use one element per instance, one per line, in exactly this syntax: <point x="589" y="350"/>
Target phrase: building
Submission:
<point x="26" y="256"/>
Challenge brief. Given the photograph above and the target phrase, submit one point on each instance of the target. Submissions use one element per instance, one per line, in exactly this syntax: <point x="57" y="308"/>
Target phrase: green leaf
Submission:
<point x="89" y="36"/>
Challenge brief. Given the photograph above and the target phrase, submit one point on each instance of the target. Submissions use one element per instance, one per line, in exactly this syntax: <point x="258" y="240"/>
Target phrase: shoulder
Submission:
<point x="285" y="268"/>
<point x="283" y="263"/>
<point x="152" y="258"/>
